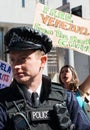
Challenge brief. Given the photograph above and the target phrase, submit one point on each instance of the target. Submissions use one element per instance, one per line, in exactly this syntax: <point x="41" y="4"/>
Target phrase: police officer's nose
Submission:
<point x="35" y="99"/>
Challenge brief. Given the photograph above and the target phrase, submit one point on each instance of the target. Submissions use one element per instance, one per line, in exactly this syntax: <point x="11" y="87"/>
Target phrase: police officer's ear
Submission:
<point x="43" y="60"/>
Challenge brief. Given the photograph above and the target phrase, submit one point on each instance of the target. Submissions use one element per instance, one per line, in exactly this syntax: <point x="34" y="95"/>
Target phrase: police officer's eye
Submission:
<point x="23" y="58"/>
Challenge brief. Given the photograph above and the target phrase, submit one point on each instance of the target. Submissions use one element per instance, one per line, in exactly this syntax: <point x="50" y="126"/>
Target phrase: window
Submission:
<point x="42" y="1"/>
<point x="53" y="61"/>
<point x="64" y="2"/>
<point x="77" y="11"/>
<point x="23" y="3"/>
<point x="1" y="45"/>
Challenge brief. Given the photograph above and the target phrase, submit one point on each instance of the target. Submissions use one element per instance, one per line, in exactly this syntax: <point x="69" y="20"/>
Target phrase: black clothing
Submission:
<point x="48" y="116"/>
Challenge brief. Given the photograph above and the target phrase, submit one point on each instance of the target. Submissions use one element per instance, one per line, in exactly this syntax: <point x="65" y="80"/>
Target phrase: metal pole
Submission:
<point x="71" y="57"/>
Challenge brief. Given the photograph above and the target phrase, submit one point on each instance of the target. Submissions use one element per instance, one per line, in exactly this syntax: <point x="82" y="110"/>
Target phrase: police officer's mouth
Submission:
<point x="18" y="74"/>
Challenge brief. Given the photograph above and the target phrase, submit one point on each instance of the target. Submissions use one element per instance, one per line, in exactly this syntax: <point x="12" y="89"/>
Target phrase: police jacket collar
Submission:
<point x="15" y="92"/>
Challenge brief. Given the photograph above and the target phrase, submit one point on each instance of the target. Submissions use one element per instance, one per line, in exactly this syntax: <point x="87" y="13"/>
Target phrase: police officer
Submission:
<point x="32" y="101"/>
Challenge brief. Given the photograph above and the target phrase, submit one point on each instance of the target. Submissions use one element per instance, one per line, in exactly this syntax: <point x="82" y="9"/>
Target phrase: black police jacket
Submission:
<point x="16" y="111"/>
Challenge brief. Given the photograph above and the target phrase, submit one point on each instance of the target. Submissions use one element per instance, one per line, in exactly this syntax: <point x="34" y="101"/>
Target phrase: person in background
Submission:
<point x="84" y="90"/>
<point x="68" y="77"/>
<point x="32" y="101"/>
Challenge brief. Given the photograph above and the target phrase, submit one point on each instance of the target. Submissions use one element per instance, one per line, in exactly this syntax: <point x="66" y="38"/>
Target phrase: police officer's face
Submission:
<point x="27" y="65"/>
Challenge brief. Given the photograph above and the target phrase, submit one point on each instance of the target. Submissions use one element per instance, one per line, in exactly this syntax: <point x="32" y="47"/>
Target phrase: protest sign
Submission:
<point x="66" y="30"/>
<point x="5" y="74"/>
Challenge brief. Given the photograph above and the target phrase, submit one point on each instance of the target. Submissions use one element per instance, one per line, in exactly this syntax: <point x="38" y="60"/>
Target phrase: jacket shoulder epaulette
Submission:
<point x="58" y="92"/>
<point x="9" y="94"/>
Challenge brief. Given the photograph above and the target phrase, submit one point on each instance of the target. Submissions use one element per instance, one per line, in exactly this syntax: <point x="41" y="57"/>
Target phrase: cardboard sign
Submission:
<point x="66" y="30"/>
<point x="5" y="74"/>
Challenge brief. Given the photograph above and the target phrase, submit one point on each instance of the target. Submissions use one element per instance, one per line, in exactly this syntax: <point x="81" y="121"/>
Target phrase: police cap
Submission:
<point x="23" y="38"/>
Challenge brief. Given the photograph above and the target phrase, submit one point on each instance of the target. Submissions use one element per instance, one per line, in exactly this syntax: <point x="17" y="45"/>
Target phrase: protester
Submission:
<point x="84" y="91"/>
<point x="69" y="78"/>
<point x="21" y="108"/>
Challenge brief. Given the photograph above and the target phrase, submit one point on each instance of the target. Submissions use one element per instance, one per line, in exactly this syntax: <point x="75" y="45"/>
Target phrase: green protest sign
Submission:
<point x="65" y="29"/>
